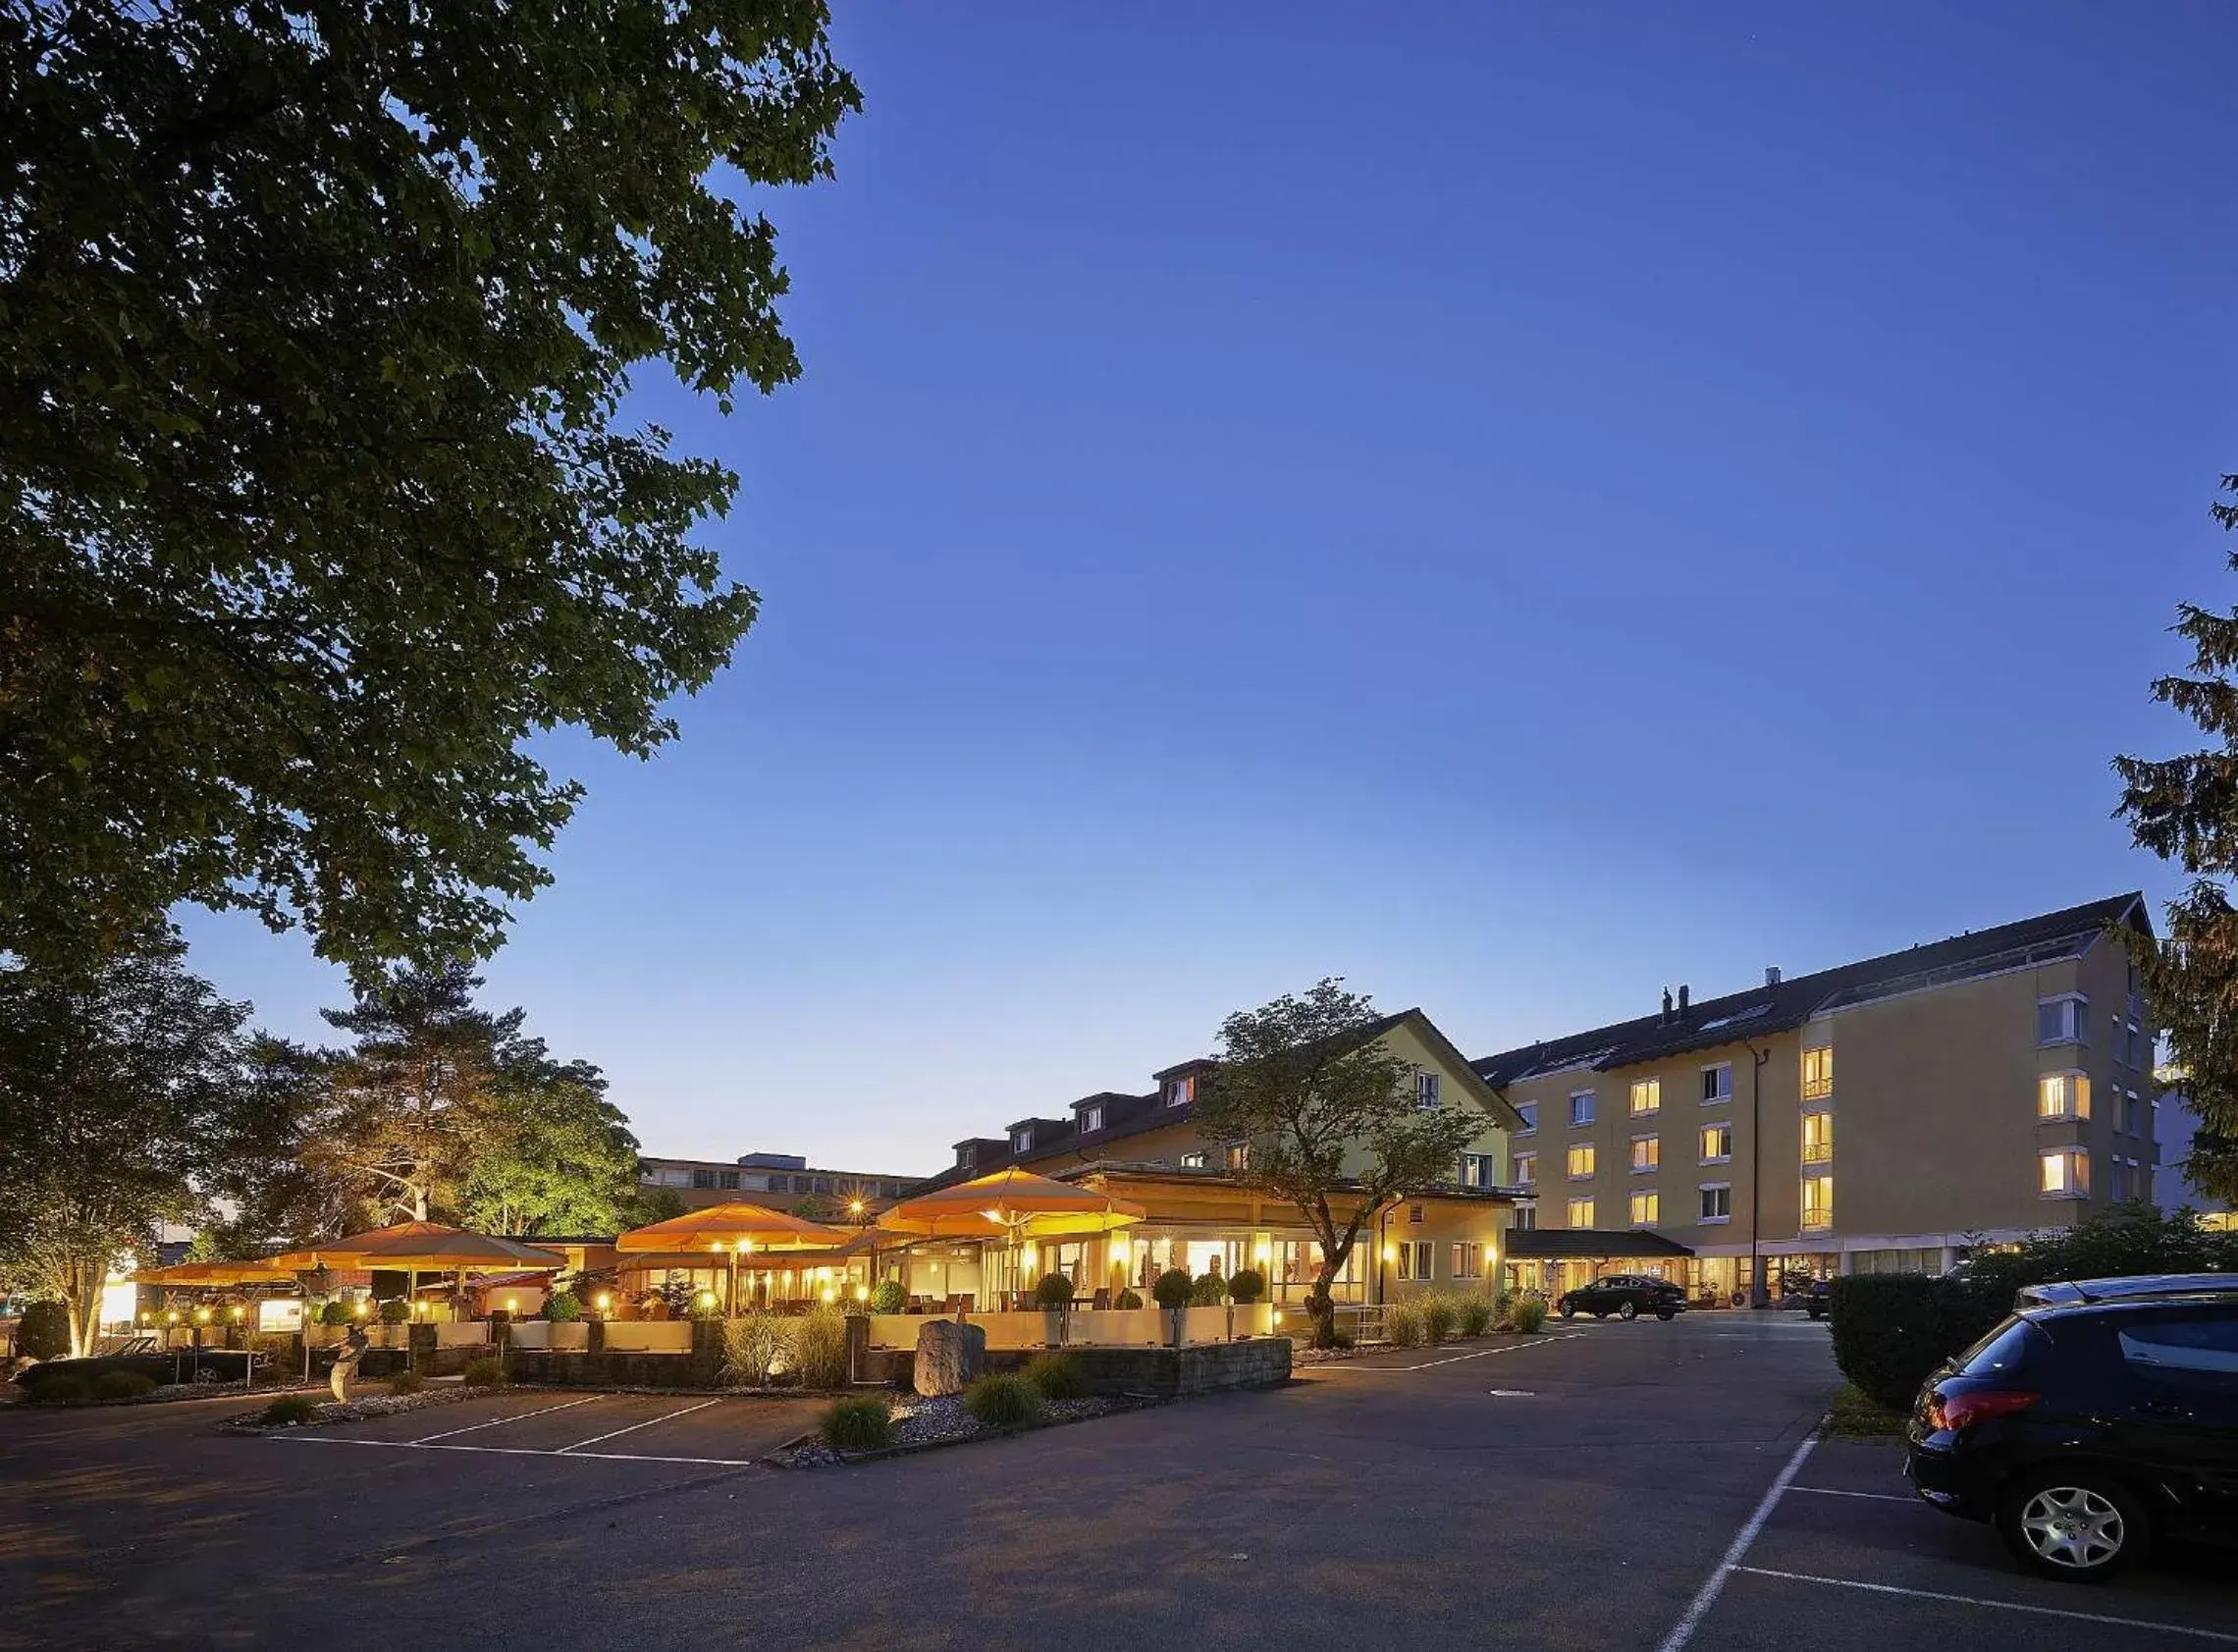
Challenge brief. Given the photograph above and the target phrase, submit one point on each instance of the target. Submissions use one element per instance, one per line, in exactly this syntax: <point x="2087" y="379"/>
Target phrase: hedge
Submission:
<point x="1892" y="1330"/>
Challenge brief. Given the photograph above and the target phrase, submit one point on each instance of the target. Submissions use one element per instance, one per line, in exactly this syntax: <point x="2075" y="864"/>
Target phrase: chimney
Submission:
<point x="1682" y="992"/>
<point x="1770" y="974"/>
<point x="1666" y="1018"/>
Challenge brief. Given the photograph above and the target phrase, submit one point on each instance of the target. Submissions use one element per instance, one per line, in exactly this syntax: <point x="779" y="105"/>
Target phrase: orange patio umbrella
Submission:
<point x="735" y="1228"/>
<point x="417" y="1245"/>
<point x="1011" y="1204"/>
<point x="216" y="1274"/>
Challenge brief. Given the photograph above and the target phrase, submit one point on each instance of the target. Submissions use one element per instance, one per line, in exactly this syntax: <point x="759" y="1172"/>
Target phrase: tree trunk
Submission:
<point x="84" y="1304"/>
<point x="1322" y="1308"/>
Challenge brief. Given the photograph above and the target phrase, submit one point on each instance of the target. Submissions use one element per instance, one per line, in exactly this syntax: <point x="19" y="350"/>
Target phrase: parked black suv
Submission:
<point x="2086" y="1426"/>
<point x="1626" y="1296"/>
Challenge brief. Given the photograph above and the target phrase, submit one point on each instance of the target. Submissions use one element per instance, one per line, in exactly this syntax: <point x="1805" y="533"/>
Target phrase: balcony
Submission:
<point x="1818" y="1152"/>
<point x="1818" y="1218"/>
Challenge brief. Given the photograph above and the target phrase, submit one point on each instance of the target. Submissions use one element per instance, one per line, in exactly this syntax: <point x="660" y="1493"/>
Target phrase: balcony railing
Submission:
<point x="1818" y="1152"/>
<point x="1818" y="1218"/>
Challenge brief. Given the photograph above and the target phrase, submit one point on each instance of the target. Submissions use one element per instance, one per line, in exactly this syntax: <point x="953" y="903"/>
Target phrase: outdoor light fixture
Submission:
<point x="170" y="1319"/>
<point x="854" y="1207"/>
<point x="357" y="1308"/>
<point x="147" y="1319"/>
<point x="862" y="1293"/>
<point x="829" y="1293"/>
<point x="707" y="1298"/>
<point x="237" y="1311"/>
<point x="605" y="1301"/>
<point x="1391" y="1252"/>
<point x="513" y="1305"/>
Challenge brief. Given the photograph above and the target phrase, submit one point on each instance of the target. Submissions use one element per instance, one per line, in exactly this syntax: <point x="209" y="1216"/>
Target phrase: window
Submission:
<point x="2120" y="1179"/>
<point x="1415" y="1258"/>
<point x="1180" y="1093"/>
<point x="2133" y="1113"/>
<point x="1527" y="1218"/>
<point x="2064" y="1172"/>
<point x="1240" y="1156"/>
<point x="1818" y="1137"/>
<point x="1192" y="1161"/>
<point x="1647" y="1095"/>
<point x="1646" y="1209"/>
<point x="1646" y="1154"/>
<point x="1527" y="1169"/>
<point x="1818" y="1203"/>
<point x="1818" y="1073"/>
<point x="703" y="1179"/>
<point x="2064" y="1096"/>
<point x="1090" y="1118"/>
<point x="1717" y="1201"/>
<point x="824" y="1184"/>
<point x="727" y="1179"/>
<point x="1475" y="1170"/>
<point x="2064" y="1020"/>
<point x="1581" y="1162"/>
<point x="1582" y="1109"/>
<point x="1716" y="1143"/>
<point x="2190" y="1354"/>
<point x="1468" y="1260"/>
<point x="967" y="1158"/>
<point x="1426" y="1085"/>
<point x="1414" y="1215"/>
<point x="1580" y="1213"/>
<point x="1527" y="1111"/>
<point x="1021" y="1140"/>
<point x="800" y="1184"/>
<point x="1717" y="1083"/>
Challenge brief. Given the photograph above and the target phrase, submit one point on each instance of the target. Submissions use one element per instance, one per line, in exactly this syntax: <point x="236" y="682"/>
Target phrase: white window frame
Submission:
<point x="1526" y="1170"/>
<point x="2076" y="1023"/>
<point x="2075" y="1179"/>
<point x="1021" y="1140"/>
<point x="2077" y="1103"/>
<point x="1527" y="1111"/>
<point x="1527" y="1217"/>
<point x="1090" y="1118"/>
<point x="1725" y="1157"/>
<point x="1181" y="1091"/>
<point x="1195" y="1161"/>
<point x="1649" y="1169"/>
<point x="1652" y="1088"/>
<point x="1725" y="1067"/>
<point x="1591" y="1109"/>
<point x="1417" y="1260"/>
<point x="1826" y="1114"/>
<point x="1824" y="1087"/>
<point x="1655" y="1219"/>
<point x="1570" y="1211"/>
<point x="1569" y="1170"/>
<point x="1725" y="1187"/>
<point x="1428" y="1092"/>
<point x="1467" y="1258"/>
<point x="1803" y="1206"/>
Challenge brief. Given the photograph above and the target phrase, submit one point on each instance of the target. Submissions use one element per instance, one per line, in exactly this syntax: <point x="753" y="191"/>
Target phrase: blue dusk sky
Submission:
<point x="1515" y="505"/>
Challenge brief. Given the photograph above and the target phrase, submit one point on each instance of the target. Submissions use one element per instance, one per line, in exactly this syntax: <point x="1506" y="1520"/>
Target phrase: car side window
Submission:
<point x="2187" y="1353"/>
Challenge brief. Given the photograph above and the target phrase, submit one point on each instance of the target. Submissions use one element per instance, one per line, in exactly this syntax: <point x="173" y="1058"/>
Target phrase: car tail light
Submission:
<point x="1953" y="1412"/>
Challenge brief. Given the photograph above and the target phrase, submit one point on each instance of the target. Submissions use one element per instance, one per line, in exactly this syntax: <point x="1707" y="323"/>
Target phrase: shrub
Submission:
<point x="1892" y="1330"/>
<point x="1528" y="1314"/>
<point x="752" y="1344"/>
<point x="396" y="1311"/>
<point x="1054" y="1290"/>
<point x="335" y="1313"/>
<point x="1209" y="1291"/>
<point x="1127" y="1299"/>
<point x="122" y="1385"/>
<point x="484" y="1372"/>
<point x="289" y="1411"/>
<point x="1173" y="1287"/>
<point x="820" y="1348"/>
<point x="1057" y="1376"/>
<point x="1003" y="1401"/>
<point x="1439" y="1315"/>
<point x="406" y="1382"/>
<point x="1402" y="1324"/>
<point x="562" y="1306"/>
<point x="43" y="1333"/>
<point x="1475" y="1314"/>
<point x="1247" y="1285"/>
<point x="890" y="1297"/>
<point x="860" y="1423"/>
<point x="64" y="1388"/>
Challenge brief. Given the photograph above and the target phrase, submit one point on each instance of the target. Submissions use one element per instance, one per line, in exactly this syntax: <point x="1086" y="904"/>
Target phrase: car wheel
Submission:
<point x="1667" y="1314"/>
<point x="2079" y="1524"/>
<point x="1629" y="1311"/>
<point x="1600" y="1314"/>
<point x="1568" y="1309"/>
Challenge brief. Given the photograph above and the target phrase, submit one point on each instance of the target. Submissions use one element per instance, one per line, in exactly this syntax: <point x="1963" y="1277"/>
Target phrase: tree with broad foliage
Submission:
<point x="1328" y="1115"/>
<point x="125" y="1086"/>
<point x="2185" y="808"/>
<point x="560" y="1157"/>
<point x="316" y="490"/>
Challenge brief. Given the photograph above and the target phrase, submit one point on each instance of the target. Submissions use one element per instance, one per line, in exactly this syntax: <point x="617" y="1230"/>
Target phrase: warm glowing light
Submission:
<point x="854" y="1207"/>
<point x="824" y="1273"/>
<point x="707" y="1298"/>
<point x="862" y="1293"/>
<point x="829" y="1294"/>
<point x="1264" y="1254"/>
<point x="513" y="1305"/>
<point x="147" y="1319"/>
<point x="1121" y="1249"/>
<point x="994" y="1216"/>
<point x="606" y="1300"/>
<point x="237" y="1311"/>
<point x="358" y="1308"/>
<point x="170" y="1319"/>
<point x="745" y="1246"/>
<point x="715" y="1246"/>
<point x="1391" y="1252"/>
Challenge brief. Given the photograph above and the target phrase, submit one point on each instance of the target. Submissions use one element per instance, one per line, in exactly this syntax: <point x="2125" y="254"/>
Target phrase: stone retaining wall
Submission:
<point x="1117" y="1372"/>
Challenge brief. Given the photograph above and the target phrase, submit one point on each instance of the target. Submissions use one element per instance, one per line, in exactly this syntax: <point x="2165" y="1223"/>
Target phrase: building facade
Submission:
<point x="777" y="1180"/>
<point x="1881" y="1116"/>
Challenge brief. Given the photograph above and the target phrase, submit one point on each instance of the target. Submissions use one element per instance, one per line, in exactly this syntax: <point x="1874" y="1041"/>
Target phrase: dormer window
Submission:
<point x="1426" y="1091"/>
<point x="1090" y="1118"/>
<point x="967" y="1156"/>
<point x="1021" y="1140"/>
<point x="1180" y="1093"/>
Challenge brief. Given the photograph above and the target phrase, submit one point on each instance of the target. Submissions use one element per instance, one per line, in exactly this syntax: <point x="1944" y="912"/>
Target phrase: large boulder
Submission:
<point x="950" y="1357"/>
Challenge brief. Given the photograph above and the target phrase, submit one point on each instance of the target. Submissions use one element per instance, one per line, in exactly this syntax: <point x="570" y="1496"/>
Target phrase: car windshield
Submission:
<point x="2001" y="1353"/>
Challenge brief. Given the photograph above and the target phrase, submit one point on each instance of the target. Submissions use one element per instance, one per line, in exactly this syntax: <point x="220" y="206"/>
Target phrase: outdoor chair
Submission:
<point x="1100" y="1300"/>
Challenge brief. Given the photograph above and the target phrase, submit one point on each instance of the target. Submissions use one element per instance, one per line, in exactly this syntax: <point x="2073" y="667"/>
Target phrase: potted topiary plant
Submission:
<point x="1055" y="1294"/>
<point x="1244" y="1287"/>
<point x="335" y="1312"/>
<point x="890" y="1297"/>
<point x="1173" y="1290"/>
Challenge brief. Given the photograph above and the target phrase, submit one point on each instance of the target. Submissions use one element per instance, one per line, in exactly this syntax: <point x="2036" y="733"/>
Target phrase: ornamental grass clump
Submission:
<point x="753" y="1345"/>
<point x="820" y="1348"/>
<point x="406" y="1382"/>
<point x="290" y="1410"/>
<point x="484" y="1372"/>
<point x="1057" y="1376"/>
<point x="1003" y="1401"/>
<point x="1530" y="1314"/>
<point x="123" y="1385"/>
<point x="1403" y="1325"/>
<point x="1474" y="1315"/>
<point x="862" y="1422"/>
<point x="64" y="1388"/>
<point x="1439" y="1316"/>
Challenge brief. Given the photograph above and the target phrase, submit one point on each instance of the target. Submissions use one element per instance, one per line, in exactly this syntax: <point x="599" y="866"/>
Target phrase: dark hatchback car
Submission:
<point x="141" y="1358"/>
<point x="1626" y="1296"/>
<point x="2087" y="1427"/>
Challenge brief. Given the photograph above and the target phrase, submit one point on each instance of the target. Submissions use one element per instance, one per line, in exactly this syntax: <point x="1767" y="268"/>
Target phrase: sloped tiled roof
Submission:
<point x="2044" y="939"/>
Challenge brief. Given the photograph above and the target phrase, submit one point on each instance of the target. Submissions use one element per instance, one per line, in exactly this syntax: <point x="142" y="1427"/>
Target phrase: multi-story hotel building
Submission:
<point x="1880" y="1116"/>
<point x="778" y="1180"/>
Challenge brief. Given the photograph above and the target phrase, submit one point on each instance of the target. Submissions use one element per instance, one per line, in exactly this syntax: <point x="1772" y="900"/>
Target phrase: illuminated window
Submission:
<point x="1468" y="1260"/>
<point x="1646" y="1154"/>
<point x="1818" y="1201"/>
<point x="1526" y="1217"/>
<point x="1582" y="1109"/>
<point x="2065" y="1172"/>
<point x="1716" y="1143"/>
<point x="1181" y="1091"/>
<point x="1818" y="1073"/>
<point x="1717" y="1201"/>
<point x="2064" y="1020"/>
<point x="1580" y="1213"/>
<point x="1526" y="1168"/>
<point x="1818" y="1137"/>
<point x="1646" y="1209"/>
<point x="1717" y="1083"/>
<point x="1647" y="1095"/>
<point x="1240" y="1156"/>
<point x="2064" y="1096"/>
<point x="1415" y="1256"/>
<point x="1581" y="1162"/>
<point x="1192" y="1161"/>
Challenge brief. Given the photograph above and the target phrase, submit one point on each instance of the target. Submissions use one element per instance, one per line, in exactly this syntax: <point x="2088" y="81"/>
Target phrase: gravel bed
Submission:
<point x="363" y="1407"/>
<point x="919" y="1423"/>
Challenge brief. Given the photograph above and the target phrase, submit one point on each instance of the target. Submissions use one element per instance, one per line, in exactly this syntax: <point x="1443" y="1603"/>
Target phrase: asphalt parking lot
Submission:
<point x="1591" y="1487"/>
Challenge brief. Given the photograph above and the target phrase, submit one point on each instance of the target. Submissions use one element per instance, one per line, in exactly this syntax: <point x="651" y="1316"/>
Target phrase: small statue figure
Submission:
<point x="353" y="1349"/>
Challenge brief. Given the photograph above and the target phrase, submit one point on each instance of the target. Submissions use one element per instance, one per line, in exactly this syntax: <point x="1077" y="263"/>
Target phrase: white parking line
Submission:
<point x="617" y="1433"/>
<point x="515" y="1451"/>
<point x="500" y="1421"/>
<point x="1451" y="1360"/>
<point x="1707" y="1596"/>
<point x="1874" y="1496"/>
<point x="1995" y="1605"/>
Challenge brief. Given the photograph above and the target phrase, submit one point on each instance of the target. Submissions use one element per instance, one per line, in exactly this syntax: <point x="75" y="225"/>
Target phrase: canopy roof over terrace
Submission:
<point x="417" y="1246"/>
<point x="216" y="1274"/>
<point x="1011" y="1204"/>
